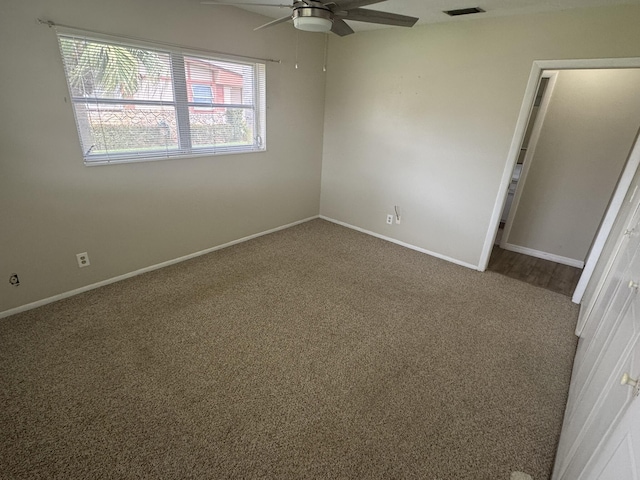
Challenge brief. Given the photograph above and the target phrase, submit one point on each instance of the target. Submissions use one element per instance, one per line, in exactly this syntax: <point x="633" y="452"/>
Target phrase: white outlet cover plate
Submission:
<point x="83" y="259"/>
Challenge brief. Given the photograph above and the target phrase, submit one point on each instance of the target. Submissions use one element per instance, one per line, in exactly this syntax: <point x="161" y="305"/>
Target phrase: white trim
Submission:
<point x="589" y="63"/>
<point x="552" y="75"/>
<point x="544" y="255"/>
<point x="86" y="288"/>
<point x="403" y="244"/>
<point x="512" y="157"/>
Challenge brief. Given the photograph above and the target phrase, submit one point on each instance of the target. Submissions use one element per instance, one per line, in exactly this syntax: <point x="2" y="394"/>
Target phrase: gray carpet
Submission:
<point x="314" y="352"/>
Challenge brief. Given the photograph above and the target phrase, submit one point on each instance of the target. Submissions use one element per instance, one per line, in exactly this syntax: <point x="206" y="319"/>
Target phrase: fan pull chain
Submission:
<point x="326" y="49"/>
<point x="297" y="36"/>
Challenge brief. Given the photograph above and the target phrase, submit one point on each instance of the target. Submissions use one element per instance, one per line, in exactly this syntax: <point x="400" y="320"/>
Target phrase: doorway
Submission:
<point x="528" y="145"/>
<point x="521" y="146"/>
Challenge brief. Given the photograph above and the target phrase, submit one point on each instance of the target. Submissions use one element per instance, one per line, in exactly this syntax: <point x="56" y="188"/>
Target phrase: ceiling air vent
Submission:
<point x="463" y="11"/>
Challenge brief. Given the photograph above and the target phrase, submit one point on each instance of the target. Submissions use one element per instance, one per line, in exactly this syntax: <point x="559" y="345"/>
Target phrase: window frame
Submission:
<point x="181" y="104"/>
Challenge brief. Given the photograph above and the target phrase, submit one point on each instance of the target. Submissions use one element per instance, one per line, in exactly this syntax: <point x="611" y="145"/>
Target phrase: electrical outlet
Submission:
<point x="14" y="280"/>
<point x="389" y="219"/>
<point x="398" y="218"/>
<point x="83" y="259"/>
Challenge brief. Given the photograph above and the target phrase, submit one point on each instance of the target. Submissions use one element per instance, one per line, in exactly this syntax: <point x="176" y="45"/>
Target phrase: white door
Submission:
<point x="598" y="400"/>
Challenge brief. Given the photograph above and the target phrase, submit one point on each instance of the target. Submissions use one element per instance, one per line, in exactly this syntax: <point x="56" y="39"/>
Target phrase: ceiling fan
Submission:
<point x="328" y="15"/>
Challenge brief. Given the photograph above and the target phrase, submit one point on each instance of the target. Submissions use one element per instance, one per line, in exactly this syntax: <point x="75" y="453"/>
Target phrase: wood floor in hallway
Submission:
<point x="535" y="271"/>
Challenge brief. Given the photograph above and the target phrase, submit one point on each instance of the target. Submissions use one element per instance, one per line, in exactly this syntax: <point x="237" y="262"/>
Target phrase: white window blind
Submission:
<point x="132" y="102"/>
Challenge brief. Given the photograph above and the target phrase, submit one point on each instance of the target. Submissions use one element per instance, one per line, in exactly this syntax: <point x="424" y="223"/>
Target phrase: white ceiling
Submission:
<point x="430" y="11"/>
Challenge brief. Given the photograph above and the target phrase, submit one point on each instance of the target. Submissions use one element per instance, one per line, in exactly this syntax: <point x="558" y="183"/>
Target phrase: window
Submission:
<point x="133" y="103"/>
<point x="202" y="94"/>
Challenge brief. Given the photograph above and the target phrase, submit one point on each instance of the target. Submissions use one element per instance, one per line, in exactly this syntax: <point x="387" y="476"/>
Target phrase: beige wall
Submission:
<point x="423" y="118"/>
<point x="586" y="136"/>
<point x="132" y="216"/>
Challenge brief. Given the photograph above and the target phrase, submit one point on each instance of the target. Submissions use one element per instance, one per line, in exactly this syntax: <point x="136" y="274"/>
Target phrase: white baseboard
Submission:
<point x="60" y="296"/>
<point x="403" y="244"/>
<point x="544" y="255"/>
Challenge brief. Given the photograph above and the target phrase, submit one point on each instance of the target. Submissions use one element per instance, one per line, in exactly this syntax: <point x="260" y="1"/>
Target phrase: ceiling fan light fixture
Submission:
<point x="312" y="24"/>
<point x="312" y="19"/>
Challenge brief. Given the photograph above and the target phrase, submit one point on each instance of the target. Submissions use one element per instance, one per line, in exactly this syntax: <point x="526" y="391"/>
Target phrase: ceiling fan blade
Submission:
<point x="275" y="22"/>
<point x="214" y="2"/>
<point x="349" y="4"/>
<point x="375" y="16"/>
<point x="341" y="28"/>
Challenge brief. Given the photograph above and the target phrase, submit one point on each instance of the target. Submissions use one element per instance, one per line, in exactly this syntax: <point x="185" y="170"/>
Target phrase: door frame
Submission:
<point x="527" y="103"/>
<point x="552" y="75"/>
